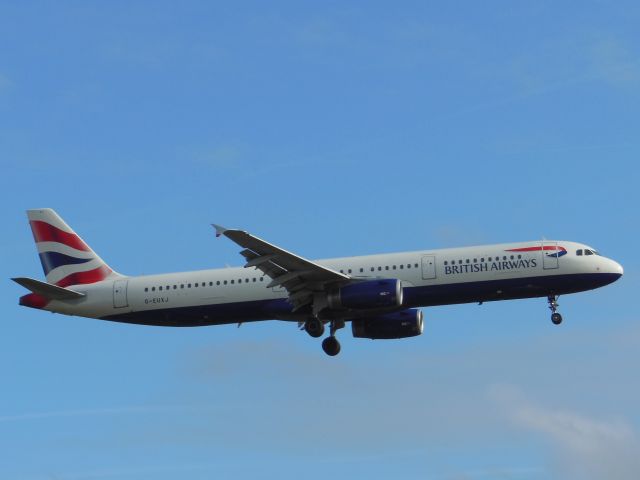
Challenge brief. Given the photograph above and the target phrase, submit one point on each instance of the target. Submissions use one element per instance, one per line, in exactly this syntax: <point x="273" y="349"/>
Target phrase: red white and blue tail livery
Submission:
<point x="66" y="259"/>
<point x="380" y="295"/>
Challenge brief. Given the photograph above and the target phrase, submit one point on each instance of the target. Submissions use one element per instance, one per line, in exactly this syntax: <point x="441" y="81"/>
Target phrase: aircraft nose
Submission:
<point x="617" y="268"/>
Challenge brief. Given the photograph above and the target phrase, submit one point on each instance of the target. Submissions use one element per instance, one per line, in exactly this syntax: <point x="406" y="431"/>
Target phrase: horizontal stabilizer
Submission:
<point x="47" y="290"/>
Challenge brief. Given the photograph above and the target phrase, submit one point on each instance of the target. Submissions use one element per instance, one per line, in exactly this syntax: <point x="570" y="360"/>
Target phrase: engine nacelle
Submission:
<point x="407" y="323"/>
<point x="369" y="294"/>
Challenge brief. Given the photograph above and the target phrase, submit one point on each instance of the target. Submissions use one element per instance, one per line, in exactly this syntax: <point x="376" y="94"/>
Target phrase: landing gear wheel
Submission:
<point x="331" y="346"/>
<point x="556" y="318"/>
<point x="314" y="327"/>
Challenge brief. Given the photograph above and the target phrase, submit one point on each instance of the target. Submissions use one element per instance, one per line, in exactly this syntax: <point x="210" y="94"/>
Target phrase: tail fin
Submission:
<point x="66" y="259"/>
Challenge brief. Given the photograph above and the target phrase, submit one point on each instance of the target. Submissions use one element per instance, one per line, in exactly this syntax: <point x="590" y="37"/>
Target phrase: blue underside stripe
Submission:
<point x="423" y="296"/>
<point x="51" y="260"/>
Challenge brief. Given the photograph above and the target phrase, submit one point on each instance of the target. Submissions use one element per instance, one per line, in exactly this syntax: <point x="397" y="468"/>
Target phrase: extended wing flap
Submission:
<point x="47" y="290"/>
<point x="299" y="276"/>
<point x="286" y="260"/>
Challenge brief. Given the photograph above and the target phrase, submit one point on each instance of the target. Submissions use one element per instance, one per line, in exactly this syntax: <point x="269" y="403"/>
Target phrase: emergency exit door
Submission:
<point x="428" y="267"/>
<point x="550" y="255"/>
<point x="120" y="294"/>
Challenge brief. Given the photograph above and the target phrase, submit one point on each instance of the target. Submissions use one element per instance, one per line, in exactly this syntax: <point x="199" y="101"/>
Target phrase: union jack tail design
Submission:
<point x="66" y="259"/>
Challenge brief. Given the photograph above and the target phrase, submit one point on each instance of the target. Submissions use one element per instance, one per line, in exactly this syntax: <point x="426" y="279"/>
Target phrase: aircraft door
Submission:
<point x="120" y="294"/>
<point x="549" y="255"/>
<point x="428" y="267"/>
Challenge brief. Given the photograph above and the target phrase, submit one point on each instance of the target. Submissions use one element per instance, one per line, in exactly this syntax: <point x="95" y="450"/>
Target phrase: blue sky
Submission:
<point x="333" y="128"/>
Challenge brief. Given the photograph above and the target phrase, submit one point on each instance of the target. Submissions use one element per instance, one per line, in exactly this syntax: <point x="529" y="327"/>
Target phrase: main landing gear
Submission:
<point x="315" y="328"/>
<point x="331" y="346"/>
<point x="556" y="318"/>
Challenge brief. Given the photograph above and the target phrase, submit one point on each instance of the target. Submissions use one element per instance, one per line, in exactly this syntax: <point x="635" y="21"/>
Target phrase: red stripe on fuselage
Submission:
<point x="44" y="232"/>
<point x="535" y="249"/>
<point x="82" y="278"/>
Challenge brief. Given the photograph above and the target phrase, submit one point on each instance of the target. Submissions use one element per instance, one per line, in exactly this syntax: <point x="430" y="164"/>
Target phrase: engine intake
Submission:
<point x="368" y="294"/>
<point x="407" y="323"/>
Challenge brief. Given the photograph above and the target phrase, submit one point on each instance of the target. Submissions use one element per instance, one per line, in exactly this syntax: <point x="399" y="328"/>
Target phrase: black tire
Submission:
<point x="556" y="318"/>
<point x="331" y="346"/>
<point x="314" y="327"/>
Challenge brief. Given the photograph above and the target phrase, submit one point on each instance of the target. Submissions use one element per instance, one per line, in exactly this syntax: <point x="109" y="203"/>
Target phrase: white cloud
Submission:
<point x="222" y="157"/>
<point x="403" y="402"/>
<point x="91" y="412"/>
<point x="582" y="447"/>
<point x="615" y="64"/>
<point x="227" y="156"/>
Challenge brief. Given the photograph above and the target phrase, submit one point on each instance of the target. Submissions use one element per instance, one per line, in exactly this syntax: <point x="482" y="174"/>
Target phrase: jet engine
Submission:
<point x="368" y="294"/>
<point x="403" y="324"/>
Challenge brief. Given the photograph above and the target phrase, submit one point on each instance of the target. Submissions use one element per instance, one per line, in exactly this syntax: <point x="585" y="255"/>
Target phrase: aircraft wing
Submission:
<point x="299" y="276"/>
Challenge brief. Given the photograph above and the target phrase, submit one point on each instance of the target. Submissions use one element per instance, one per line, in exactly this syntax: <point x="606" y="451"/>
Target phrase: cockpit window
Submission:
<point x="579" y="253"/>
<point x="588" y="252"/>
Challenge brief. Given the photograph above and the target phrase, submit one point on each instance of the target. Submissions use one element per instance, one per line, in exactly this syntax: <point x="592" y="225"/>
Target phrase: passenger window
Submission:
<point x="379" y="268"/>
<point x="387" y="267"/>
<point x="232" y="282"/>
<point x="182" y="285"/>
<point x="254" y="279"/>
<point x="349" y="270"/>
<point x="195" y="284"/>
<point x="261" y="278"/>
<point x="211" y="284"/>
<point x="446" y="263"/>
<point x="401" y="267"/>
<point x="482" y="260"/>
<point x="372" y="269"/>
<point x="416" y="265"/>
<point x="153" y="289"/>
<point x="408" y="265"/>
<point x="146" y="289"/>
<point x="466" y="261"/>
<point x="511" y="257"/>
<point x="361" y="270"/>
<point x="225" y="282"/>
<point x="188" y="285"/>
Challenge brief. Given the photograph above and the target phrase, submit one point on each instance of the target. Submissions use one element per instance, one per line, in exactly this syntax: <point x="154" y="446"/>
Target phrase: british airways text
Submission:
<point x="490" y="266"/>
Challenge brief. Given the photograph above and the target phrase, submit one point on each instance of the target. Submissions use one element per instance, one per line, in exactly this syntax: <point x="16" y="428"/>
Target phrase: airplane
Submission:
<point x="381" y="295"/>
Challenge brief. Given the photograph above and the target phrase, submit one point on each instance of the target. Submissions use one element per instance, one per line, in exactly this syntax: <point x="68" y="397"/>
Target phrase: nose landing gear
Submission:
<point x="556" y="318"/>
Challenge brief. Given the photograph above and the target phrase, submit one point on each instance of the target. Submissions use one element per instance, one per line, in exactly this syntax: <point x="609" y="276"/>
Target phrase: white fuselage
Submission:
<point x="429" y="277"/>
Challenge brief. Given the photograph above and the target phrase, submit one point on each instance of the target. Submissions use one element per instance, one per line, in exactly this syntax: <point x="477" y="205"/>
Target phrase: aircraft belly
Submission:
<point x="415" y="296"/>
<point x="503" y="289"/>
